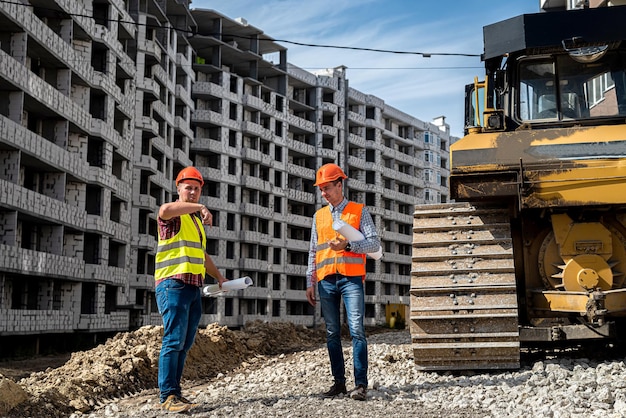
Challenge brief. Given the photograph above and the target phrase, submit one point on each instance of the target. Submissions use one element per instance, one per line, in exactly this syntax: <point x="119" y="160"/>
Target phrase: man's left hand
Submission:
<point x="338" y="244"/>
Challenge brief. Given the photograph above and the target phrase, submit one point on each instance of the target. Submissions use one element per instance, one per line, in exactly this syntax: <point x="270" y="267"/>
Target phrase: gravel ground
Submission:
<point x="288" y="385"/>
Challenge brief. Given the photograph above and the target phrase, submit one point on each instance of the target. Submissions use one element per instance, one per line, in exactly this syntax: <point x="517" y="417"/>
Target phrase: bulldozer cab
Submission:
<point x="550" y="89"/>
<point x="572" y="74"/>
<point x="559" y="88"/>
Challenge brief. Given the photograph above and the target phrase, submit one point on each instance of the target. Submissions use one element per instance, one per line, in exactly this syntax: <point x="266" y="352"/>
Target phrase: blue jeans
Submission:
<point x="332" y="289"/>
<point x="180" y="305"/>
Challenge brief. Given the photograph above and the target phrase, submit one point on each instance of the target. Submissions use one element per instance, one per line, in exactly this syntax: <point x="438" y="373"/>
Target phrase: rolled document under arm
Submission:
<point x="354" y="235"/>
<point x="238" y="284"/>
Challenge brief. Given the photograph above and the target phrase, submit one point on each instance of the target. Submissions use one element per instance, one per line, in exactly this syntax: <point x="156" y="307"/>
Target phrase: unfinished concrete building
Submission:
<point x="104" y="101"/>
<point x="66" y="151"/>
<point x="95" y="117"/>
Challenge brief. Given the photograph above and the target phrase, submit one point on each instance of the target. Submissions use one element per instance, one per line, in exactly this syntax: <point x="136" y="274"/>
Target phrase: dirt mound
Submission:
<point x="128" y="363"/>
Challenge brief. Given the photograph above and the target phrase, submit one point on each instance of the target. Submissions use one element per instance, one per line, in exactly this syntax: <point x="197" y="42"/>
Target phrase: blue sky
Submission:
<point x="422" y="87"/>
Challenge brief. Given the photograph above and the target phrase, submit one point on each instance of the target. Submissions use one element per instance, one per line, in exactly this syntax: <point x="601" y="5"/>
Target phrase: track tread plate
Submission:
<point x="463" y="274"/>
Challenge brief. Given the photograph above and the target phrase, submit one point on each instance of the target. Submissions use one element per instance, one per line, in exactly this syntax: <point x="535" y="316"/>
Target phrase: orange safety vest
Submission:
<point x="328" y="261"/>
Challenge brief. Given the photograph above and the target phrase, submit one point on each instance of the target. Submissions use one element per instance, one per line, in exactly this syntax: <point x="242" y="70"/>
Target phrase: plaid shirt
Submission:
<point x="167" y="229"/>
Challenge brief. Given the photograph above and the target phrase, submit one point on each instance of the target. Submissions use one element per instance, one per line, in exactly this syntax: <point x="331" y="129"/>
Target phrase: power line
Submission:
<point x="220" y="35"/>
<point x="388" y="51"/>
<point x="399" y="68"/>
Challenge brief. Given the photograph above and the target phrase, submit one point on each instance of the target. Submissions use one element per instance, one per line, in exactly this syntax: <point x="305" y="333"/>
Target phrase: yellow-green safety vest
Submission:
<point x="183" y="253"/>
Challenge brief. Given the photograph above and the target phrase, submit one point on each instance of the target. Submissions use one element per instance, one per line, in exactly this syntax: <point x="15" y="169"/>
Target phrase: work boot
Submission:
<point x="359" y="393"/>
<point x="188" y="402"/>
<point x="335" y="389"/>
<point x="173" y="403"/>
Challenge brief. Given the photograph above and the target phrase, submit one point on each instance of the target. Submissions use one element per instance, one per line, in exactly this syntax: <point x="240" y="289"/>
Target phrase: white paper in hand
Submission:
<point x="352" y="234"/>
<point x="348" y="231"/>
<point x="238" y="284"/>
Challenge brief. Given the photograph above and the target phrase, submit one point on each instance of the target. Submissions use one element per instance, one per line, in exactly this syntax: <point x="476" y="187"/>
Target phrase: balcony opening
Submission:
<point x="88" y="300"/>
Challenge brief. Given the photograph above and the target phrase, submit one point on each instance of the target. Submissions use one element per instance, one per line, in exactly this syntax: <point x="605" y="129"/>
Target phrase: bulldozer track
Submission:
<point x="464" y="312"/>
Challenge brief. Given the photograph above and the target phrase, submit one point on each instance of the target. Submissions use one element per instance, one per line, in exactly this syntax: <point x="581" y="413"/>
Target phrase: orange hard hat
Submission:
<point x="329" y="172"/>
<point x="189" y="173"/>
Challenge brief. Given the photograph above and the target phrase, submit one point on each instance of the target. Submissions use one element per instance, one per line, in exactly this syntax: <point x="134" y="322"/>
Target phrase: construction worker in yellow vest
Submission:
<point x="181" y="265"/>
<point x="337" y="268"/>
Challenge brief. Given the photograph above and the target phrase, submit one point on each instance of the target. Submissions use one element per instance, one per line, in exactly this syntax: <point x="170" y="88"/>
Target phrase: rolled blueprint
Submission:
<point x="354" y="235"/>
<point x="238" y="284"/>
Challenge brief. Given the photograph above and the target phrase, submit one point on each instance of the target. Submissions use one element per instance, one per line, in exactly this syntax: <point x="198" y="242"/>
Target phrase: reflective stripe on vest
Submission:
<point x="328" y="261"/>
<point x="183" y="253"/>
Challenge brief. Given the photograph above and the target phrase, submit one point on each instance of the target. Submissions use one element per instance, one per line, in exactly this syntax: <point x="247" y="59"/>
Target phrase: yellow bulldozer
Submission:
<point x="532" y="247"/>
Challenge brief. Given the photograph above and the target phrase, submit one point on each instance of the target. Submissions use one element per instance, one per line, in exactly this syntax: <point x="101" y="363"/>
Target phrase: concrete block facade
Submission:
<point x="97" y="116"/>
<point x="65" y="183"/>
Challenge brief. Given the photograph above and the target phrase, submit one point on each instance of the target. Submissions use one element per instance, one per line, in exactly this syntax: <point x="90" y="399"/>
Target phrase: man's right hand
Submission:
<point x="206" y="216"/>
<point x="310" y="295"/>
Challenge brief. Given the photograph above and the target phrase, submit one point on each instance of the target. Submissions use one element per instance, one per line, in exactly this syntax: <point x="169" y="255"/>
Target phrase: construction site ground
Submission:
<point x="56" y="386"/>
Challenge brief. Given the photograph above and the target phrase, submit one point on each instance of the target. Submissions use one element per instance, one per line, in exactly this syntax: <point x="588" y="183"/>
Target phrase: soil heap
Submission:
<point x="128" y="363"/>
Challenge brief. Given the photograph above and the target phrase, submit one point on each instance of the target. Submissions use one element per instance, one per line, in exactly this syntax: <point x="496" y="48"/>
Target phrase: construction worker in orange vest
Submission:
<point x="337" y="268"/>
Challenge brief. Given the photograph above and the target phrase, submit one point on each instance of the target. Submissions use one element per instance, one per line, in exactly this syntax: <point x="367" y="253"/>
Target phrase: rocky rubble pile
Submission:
<point x="553" y="385"/>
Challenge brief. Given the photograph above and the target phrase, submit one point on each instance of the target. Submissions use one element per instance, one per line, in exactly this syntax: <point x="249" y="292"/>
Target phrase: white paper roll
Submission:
<point x="348" y="231"/>
<point x="238" y="284"/>
<point x="352" y="234"/>
<point x="378" y="254"/>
